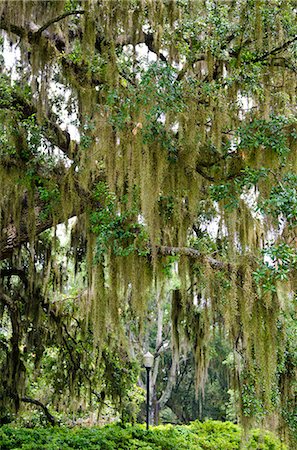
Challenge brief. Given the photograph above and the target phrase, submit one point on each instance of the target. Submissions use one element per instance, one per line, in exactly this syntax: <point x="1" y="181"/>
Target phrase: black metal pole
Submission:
<point x="147" y="397"/>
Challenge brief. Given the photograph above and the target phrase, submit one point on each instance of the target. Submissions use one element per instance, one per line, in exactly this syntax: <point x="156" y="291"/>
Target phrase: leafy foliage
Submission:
<point x="208" y="435"/>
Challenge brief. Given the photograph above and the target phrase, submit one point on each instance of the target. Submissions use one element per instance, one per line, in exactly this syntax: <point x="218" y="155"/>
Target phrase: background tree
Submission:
<point x="189" y="152"/>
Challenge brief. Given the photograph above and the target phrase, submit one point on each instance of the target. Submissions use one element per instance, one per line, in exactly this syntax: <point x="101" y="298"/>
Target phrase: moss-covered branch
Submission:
<point x="14" y="100"/>
<point x="192" y="253"/>
<point x="57" y="19"/>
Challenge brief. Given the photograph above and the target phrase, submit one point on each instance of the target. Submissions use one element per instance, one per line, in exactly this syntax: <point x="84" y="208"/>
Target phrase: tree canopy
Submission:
<point x="167" y="129"/>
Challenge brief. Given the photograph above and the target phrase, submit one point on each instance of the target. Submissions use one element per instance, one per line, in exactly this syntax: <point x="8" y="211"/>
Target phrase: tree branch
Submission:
<point x="204" y="175"/>
<point x="212" y="179"/>
<point x="52" y="420"/>
<point x="192" y="253"/>
<point x="149" y="41"/>
<point x="275" y="51"/>
<point x="10" y="27"/>
<point x="170" y="384"/>
<point x="52" y="131"/>
<point x="8" y="301"/>
<point x="57" y="19"/>
<point x="15" y="272"/>
<point x="12" y="238"/>
<point x="55" y="41"/>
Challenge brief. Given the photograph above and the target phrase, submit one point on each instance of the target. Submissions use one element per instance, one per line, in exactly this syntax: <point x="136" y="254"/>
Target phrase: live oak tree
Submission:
<point x="185" y="155"/>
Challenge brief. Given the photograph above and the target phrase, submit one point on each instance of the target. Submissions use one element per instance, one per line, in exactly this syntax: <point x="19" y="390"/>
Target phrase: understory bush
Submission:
<point x="210" y="435"/>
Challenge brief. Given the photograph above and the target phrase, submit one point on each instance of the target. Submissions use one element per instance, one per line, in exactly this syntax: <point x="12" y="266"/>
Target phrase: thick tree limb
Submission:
<point x="8" y="301"/>
<point x="52" y="420"/>
<point x="31" y="31"/>
<point x="57" y="19"/>
<point x="149" y="41"/>
<point x="52" y="131"/>
<point x="55" y="40"/>
<point x="192" y="253"/>
<point x="13" y="238"/>
<point x="10" y="27"/>
<point x="15" y="272"/>
<point x="170" y="384"/>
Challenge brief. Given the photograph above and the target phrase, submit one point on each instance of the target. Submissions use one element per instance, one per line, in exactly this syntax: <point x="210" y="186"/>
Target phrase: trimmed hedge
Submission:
<point x="210" y="435"/>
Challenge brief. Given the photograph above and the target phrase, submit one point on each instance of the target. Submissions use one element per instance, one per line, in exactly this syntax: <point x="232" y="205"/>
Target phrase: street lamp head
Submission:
<point x="148" y="360"/>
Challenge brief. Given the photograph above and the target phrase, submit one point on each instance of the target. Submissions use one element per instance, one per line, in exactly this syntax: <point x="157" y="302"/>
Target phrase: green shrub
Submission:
<point x="210" y="435"/>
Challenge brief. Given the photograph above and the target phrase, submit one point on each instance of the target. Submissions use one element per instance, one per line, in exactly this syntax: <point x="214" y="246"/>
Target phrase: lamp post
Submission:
<point x="148" y="361"/>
